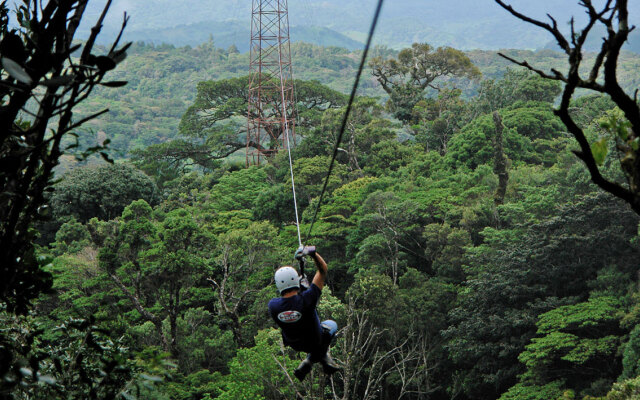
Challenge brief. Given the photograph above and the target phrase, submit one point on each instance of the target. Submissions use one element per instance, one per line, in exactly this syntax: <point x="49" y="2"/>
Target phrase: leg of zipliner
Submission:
<point x="330" y="328"/>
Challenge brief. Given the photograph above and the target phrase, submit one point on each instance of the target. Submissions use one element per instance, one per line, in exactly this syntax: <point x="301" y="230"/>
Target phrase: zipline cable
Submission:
<point x="346" y="115"/>
<point x="286" y="130"/>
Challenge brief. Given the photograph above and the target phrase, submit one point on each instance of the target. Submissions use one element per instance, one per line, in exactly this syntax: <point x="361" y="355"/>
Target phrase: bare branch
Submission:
<point x="556" y="77"/>
<point x="74" y="22"/>
<point x="89" y="118"/>
<point x="573" y="32"/>
<point x="553" y="29"/>
<point x="283" y="367"/>
<point x="125" y="20"/>
<point x="94" y="34"/>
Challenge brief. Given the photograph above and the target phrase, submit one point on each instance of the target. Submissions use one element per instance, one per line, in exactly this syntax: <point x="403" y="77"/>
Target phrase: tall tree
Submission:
<point x="499" y="160"/>
<point x="406" y="77"/>
<point x="435" y="121"/>
<point x="601" y="77"/>
<point x="101" y="191"/>
<point x="516" y="85"/>
<point x="576" y="346"/>
<point x="365" y="128"/>
<point x="388" y="233"/>
<point x="214" y="127"/>
<point x="243" y="264"/>
<point x="155" y="264"/>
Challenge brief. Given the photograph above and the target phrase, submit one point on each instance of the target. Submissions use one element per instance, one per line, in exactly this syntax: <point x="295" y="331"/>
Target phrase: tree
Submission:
<point x="628" y="389"/>
<point x="214" y="126"/>
<point x="576" y="345"/>
<point x="444" y="250"/>
<point x="553" y="263"/>
<point x="168" y="161"/>
<point x="309" y="177"/>
<point x="71" y="237"/>
<point x="625" y="133"/>
<point x="362" y="352"/>
<point x="388" y="230"/>
<point x="101" y="191"/>
<point x="365" y="128"/>
<point x="155" y="265"/>
<point x="631" y="355"/>
<point x="499" y="160"/>
<point x="388" y="156"/>
<point x="75" y="360"/>
<point x="516" y="85"/>
<point x="435" y="121"/>
<point x="406" y="78"/>
<point x="243" y="265"/>
<point x="261" y="372"/>
<point x="529" y="130"/>
<point x="41" y="85"/>
<point x="337" y="221"/>
<point x="420" y="317"/>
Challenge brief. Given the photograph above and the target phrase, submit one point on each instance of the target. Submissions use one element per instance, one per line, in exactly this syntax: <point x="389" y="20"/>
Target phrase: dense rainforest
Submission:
<point x="470" y="255"/>
<point x="162" y="84"/>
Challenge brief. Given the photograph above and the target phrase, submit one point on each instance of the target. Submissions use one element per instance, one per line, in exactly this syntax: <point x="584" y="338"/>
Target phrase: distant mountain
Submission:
<point x="594" y="41"/>
<point x="225" y="34"/>
<point x="464" y="24"/>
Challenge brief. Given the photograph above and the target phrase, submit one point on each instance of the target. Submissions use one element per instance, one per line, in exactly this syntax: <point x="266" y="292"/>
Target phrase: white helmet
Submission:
<point x="287" y="278"/>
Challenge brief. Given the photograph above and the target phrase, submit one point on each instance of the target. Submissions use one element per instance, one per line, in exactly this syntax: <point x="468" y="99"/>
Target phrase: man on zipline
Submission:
<point x="295" y="313"/>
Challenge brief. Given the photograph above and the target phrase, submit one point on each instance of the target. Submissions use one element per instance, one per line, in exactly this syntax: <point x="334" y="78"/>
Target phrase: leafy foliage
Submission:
<point x="573" y="343"/>
<point x="75" y="360"/>
<point x="211" y="127"/>
<point x="37" y="54"/>
<point x="101" y="192"/>
<point x="406" y="78"/>
<point x="439" y="290"/>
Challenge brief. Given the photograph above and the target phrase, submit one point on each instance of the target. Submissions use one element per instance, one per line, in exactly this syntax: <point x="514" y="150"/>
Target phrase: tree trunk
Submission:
<point x="173" y="321"/>
<point x="236" y="328"/>
<point x="157" y="322"/>
<point x="499" y="161"/>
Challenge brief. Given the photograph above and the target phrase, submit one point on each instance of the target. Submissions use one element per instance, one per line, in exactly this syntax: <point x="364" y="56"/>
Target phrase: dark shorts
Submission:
<point x="329" y="330"/>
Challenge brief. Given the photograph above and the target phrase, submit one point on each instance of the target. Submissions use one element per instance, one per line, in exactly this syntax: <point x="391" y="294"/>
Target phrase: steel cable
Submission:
<point x="346" y="114"/>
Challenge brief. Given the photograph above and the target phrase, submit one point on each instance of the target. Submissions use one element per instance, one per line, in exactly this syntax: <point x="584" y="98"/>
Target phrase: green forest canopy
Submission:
<point x="162" y="84"/>
<point x="443" y="285"/>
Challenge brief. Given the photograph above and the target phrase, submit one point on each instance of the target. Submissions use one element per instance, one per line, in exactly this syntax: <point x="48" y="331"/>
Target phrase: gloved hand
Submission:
<point x="304" y="251"/>
<point x="304" y="283"/>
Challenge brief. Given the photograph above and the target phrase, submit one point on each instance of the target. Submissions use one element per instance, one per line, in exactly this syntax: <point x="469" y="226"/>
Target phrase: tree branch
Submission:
<point x="553" y="29"/>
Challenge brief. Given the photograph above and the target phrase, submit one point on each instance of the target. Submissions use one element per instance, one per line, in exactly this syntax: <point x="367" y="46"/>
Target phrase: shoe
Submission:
<point x="303" y="369"/>
<point x="328" y="365"/>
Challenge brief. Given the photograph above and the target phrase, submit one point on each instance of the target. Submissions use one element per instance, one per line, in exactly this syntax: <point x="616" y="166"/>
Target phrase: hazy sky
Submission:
<point x="430" y="19"/>
<point x="158" y="13"/>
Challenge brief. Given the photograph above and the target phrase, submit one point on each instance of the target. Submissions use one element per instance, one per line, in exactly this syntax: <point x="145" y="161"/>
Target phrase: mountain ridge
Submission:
<point x="463" y="24"/>
<point x="229" y="33"/>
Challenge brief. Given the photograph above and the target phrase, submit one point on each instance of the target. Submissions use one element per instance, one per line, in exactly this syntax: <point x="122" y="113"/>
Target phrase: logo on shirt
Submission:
<point x="289" y="317"/>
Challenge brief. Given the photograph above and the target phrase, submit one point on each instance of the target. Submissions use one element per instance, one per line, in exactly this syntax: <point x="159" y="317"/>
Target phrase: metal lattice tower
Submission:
<point x="271" y="93"/>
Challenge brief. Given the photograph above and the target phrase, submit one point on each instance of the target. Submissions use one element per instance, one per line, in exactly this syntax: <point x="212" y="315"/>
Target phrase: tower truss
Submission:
<point x="271" y="92"/>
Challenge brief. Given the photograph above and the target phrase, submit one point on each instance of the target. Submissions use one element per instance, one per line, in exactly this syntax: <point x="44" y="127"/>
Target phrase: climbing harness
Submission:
<point x="304" y="281"/>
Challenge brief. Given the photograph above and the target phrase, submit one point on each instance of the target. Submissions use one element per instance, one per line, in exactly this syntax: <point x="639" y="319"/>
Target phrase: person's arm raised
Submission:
<point x="321" y="275"/>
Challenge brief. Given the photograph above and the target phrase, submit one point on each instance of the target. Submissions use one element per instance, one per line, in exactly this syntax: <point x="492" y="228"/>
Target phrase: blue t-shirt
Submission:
<point x="298" y="319"/>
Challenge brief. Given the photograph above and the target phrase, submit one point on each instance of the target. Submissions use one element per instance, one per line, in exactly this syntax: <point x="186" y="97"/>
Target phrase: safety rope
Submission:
<point x="346" y="114"/>
<point x="286" y="129"/>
